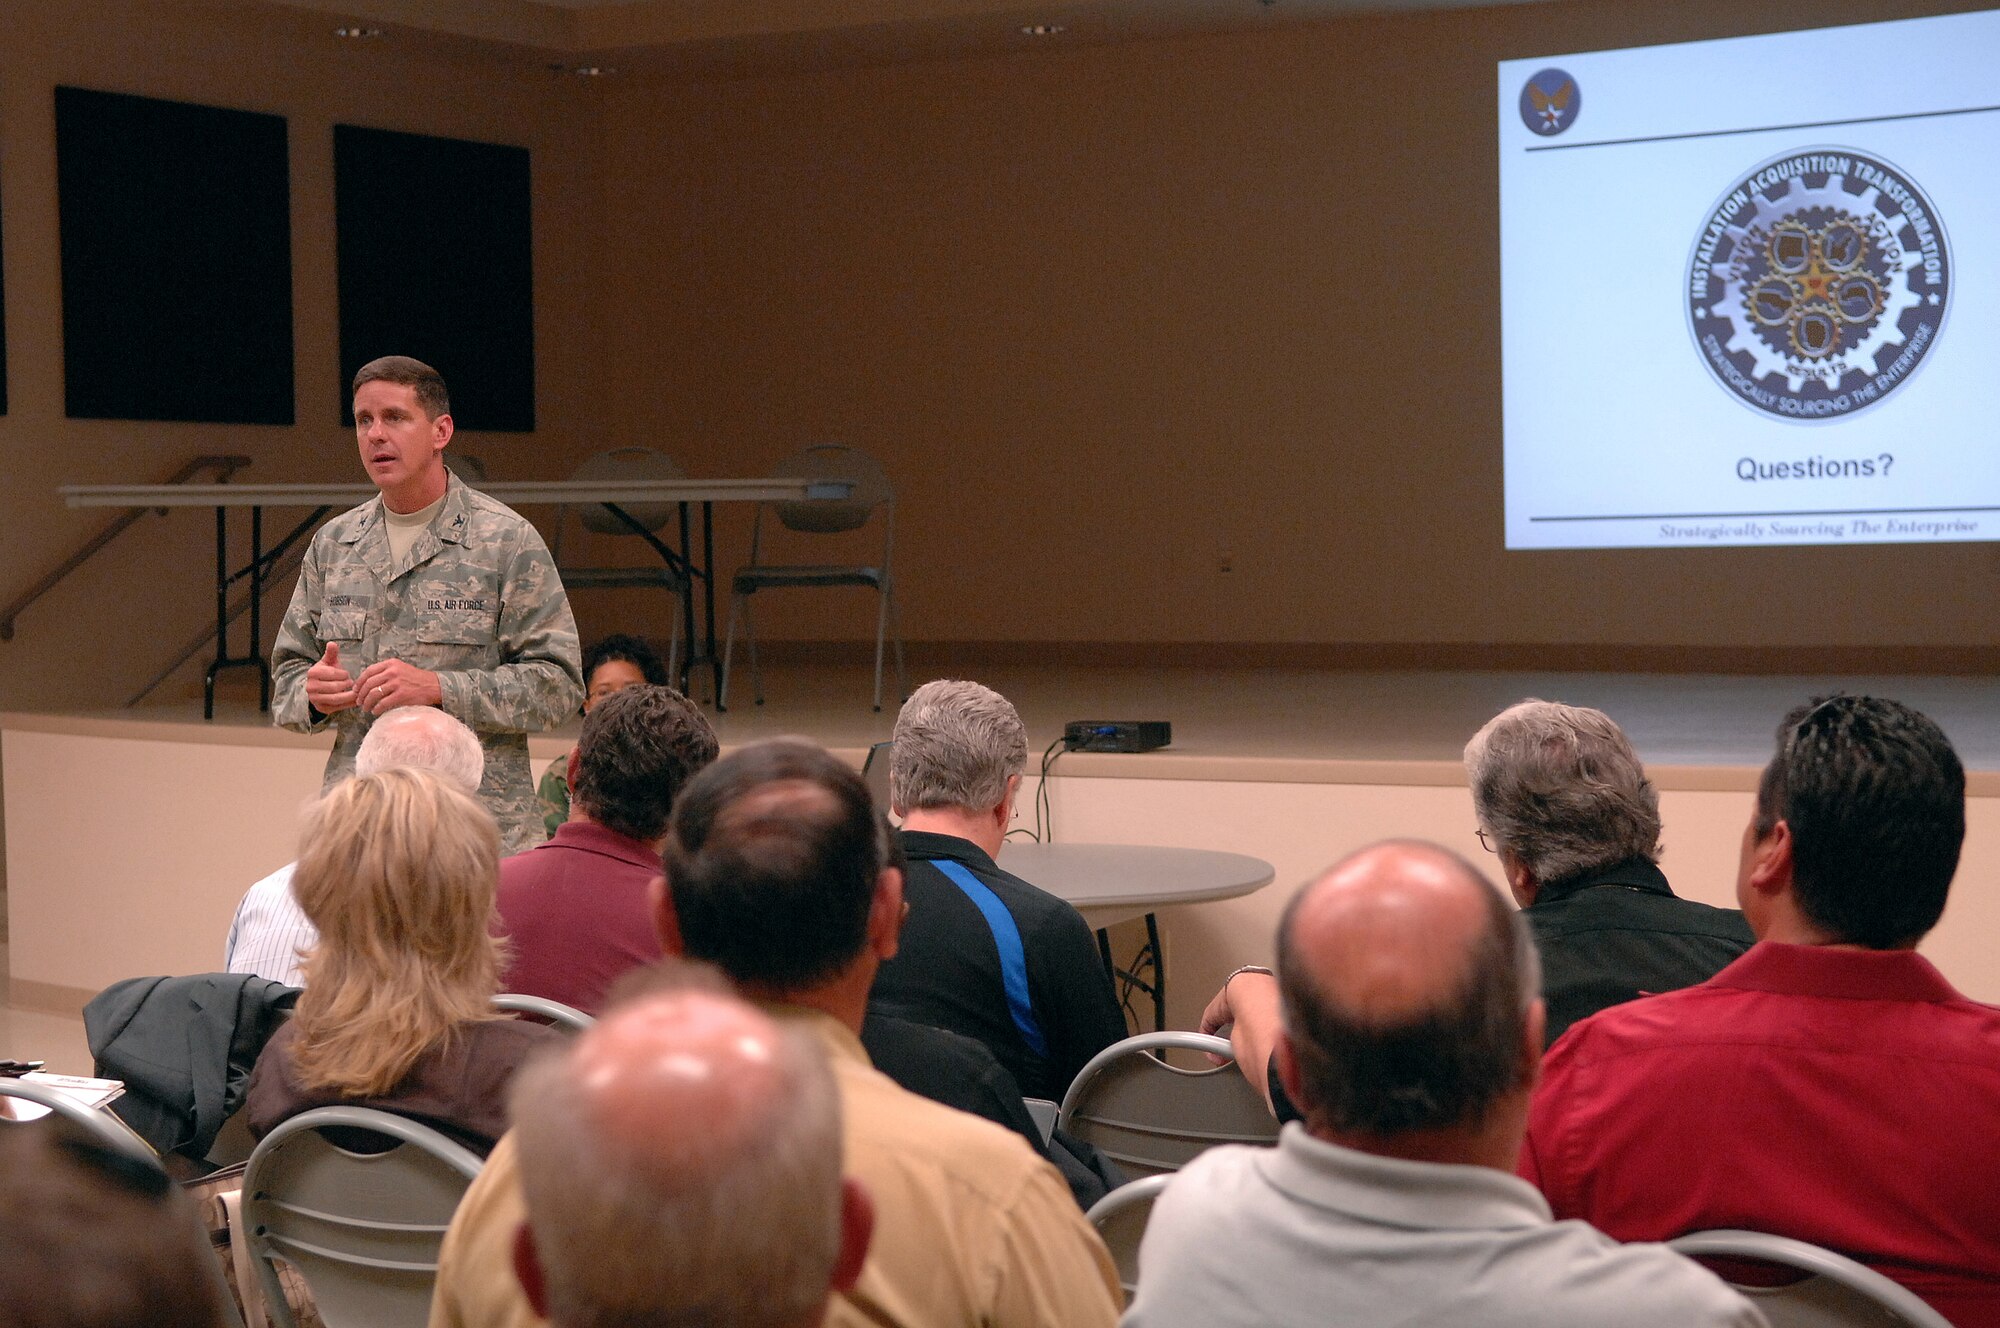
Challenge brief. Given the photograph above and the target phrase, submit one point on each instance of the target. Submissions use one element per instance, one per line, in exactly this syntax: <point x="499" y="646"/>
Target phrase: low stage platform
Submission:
<point x="131" y="834"/>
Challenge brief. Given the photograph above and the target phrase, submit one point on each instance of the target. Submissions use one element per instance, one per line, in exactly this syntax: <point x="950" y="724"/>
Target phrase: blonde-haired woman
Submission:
<point x="397" y="871"/>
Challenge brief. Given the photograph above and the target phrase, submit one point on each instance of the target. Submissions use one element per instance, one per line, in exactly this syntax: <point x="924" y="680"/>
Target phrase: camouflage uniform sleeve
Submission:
<point x="297" y="649"/>
<point x="539" y="682"/>
<point x="554" y="794"/>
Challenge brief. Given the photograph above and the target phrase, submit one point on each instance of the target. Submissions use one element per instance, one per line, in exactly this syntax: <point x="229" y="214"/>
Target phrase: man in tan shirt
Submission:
<point x="781" y="877"/>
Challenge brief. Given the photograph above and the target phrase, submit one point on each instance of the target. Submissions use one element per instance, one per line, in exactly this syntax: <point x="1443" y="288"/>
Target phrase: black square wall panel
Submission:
<point x="435" y="262"/>
<point x="176" y="260"/>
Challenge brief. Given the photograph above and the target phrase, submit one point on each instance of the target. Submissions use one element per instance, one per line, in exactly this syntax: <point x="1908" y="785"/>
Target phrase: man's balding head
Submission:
<point x="774" y="857"/>
<point x="682" y="1164"/>
<point x="423" y="738"/>
<point x="1409" y="992"/>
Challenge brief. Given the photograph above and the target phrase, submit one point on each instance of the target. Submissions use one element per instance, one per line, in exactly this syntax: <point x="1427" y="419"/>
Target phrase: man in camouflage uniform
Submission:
<point x="431" y="594"/>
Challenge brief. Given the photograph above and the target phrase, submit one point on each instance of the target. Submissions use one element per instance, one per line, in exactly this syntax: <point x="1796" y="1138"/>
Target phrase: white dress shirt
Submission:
<point x="270" y="934"/>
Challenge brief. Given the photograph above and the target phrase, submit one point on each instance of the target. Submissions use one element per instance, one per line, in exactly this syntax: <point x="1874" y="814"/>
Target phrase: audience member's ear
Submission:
<point x="1005" y="811"/>
<point x="1287" y="1061"/>
<point x="666" y="922"/>
<point x="569" y="769"/>
<point x="857" y="1232"/>
<point x="886" y="913"/>
<point x="1771" y="861"/>
<point x="528" y="1270"/>
<point x="1535" y="1029"/>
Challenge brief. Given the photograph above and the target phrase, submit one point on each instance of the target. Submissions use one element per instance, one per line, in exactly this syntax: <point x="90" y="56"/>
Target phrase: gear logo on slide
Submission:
<point x="1818" y="284"/>
<point x="1549" y="102"/>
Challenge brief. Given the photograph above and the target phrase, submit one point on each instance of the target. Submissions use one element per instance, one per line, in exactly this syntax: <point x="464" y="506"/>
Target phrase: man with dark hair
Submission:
<point x="609" y="666"/>
<point x="777" y="873"/>
<point x="575" y="909"/>
<point x="1412" y="1035"/>
<point x="428" y="594"/>
<point x="96" y="1238"/>
<point x="1830" y="1085"/>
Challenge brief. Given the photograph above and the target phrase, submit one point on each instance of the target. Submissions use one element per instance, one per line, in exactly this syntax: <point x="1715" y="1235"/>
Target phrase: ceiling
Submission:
<point x="757" y="36"/>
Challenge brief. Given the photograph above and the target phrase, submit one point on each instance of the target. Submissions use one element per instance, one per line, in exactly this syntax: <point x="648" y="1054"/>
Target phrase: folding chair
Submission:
<point x="1120" y="1218"/>
<point x="822" y="516"/>
<point x="106" y="1128"/>
<point x="563" y="1016"/>
<point x="670" y="574"/>
<point x="362" y="1228"/>
<point x="1151" y="1117"/>
<point x="1836" y="1293"/>
<point x="114" y="1134"/>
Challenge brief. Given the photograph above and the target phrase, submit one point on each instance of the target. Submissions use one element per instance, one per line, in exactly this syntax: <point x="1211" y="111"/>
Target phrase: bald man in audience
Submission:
<point x="778" y="873"/>
<point x="682" y="1165"/>
<point x="1412" y="1038"/>
<point x="270" y="933"/>
<point x="1830" y="1085"/>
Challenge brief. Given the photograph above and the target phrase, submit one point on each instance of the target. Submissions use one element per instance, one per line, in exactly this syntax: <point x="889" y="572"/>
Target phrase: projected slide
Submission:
<point x="1748" y="289"/>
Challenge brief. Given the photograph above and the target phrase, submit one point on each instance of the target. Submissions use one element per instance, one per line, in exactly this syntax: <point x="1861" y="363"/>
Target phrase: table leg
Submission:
<point x="221" y="613"/>
<point x="1147" y="963"/>
<point x="224" y="579"/>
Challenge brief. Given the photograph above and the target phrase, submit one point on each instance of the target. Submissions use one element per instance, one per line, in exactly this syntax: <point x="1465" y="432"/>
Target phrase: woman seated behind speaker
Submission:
<point x="612" y="665"/>
<point x="398" y="870"/>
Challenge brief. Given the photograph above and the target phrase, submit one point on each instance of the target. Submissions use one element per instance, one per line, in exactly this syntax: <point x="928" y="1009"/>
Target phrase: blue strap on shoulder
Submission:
<point x="1013" y="955"/>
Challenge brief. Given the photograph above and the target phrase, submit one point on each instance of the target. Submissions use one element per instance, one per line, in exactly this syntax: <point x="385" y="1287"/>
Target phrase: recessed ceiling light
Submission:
<point x="1041" y="29"/>
<point x="357" y="33"/>
<point x="584" y="71"/>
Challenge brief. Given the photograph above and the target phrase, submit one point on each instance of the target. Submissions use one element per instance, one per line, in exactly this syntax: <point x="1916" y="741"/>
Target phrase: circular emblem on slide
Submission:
<point x="1818" y="284"/>
<point x="1549" y="102"/>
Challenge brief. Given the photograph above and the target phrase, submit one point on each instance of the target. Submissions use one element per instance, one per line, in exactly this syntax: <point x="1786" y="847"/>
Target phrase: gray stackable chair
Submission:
<point x="628" y="463"/>
<point x="563" y="1016"/>
<point x="363" y="1229"/>
<point x="1120" y="1218"/>
<point x="822" y="516"/>
<point x="1043" y="1113"/>
<point x="1838" y="1293"/>
<point x="1151" y="1117"/>
<point x="471" y="471"/>
<point x="106" y="1128"/>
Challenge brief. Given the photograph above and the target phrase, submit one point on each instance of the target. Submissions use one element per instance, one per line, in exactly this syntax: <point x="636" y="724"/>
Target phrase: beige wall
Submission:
<point x="107" y="629"/>
<point x="1116" y="314"/>
<point x="143" y="876"/>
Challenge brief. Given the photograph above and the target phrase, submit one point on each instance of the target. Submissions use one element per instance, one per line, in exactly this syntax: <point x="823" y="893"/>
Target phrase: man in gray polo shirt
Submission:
<point x="1412" y="1040"/>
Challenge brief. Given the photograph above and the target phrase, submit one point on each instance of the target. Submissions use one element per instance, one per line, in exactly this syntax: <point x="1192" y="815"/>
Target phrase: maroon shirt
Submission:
<point x="574" y="910"/>
<point x="1845" y="1097"/>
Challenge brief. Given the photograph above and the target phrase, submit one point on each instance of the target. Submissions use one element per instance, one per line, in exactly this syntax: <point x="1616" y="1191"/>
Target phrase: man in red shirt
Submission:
<point x="1830" y="1085"/>
<point x="574" y="909"/>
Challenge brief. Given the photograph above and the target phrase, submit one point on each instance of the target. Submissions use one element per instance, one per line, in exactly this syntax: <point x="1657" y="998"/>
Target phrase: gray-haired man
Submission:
<point x="270" y="932"/>
<point x="1563" y="801"/>
<point x="984" y="953"/>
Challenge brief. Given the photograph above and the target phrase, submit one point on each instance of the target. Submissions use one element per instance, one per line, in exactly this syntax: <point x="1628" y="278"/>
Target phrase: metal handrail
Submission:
<point x="283" y="565"/>
<point x="224" y="466"/>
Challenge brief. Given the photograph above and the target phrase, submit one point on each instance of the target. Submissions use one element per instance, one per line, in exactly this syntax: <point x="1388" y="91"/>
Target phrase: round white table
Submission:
<point x="1113" y="883"/>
